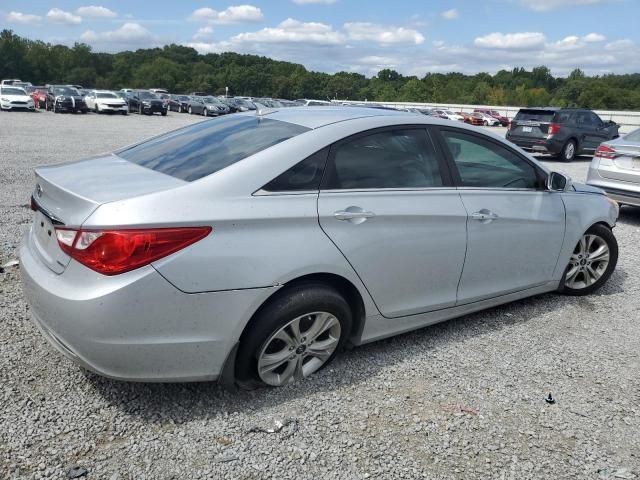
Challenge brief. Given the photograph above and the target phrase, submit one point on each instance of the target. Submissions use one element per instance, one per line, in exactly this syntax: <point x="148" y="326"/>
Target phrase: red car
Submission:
<point x="471" y="120"/>
<point x="39" y="95"/>
<point x="504" y="121"/>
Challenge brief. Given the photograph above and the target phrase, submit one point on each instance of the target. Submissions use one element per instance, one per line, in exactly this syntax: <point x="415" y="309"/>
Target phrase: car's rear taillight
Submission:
<point x="553" y="128"/>
<point x="604" y="151"/>
<point x="112" y="252"/>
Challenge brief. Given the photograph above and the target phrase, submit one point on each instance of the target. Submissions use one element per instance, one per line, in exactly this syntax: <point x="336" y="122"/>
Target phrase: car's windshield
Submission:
<point x="212" y="100"/>
<point x="449" y="112"/>
<point x="494" y="112"/>
<point x="106" y="95"/>
<point x="65" y="91"/>
<point x="12" y="91"/>
<point x="147" y="96"/>
<point x="199" y="150"/>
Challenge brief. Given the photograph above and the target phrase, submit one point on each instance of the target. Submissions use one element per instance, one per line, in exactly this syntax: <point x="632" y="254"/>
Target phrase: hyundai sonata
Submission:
<point x="250" y="248"/>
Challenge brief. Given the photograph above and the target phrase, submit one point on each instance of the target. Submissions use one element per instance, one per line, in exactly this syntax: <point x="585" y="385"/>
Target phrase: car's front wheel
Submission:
<point x="293" y="336"/>
<point x="593" y="261"/>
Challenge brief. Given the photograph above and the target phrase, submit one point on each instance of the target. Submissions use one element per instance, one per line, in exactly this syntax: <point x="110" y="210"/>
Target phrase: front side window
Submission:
<point x="485" y="164"/>
<point x="204" y="148"/>
<point x="403" y="158"/>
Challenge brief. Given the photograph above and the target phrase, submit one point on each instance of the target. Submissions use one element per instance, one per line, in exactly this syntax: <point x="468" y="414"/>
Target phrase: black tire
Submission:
<point x="164" y="114"/>
<point x="569" y="151"/>
<point x="140" y="109"/>
<point x="485" y="123"/>
<point x="124" y="113"/>
<point x="288" y="304"/>
<point x="96" y="109"/>
<point x="606" y="234"/>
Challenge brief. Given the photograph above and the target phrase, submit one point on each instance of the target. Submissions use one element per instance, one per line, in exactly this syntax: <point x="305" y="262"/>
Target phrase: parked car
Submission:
<point x="16" y="82"/>
<point x="145" y="102"/>
<point x="504" y="121"/>
<point x="158" y="90"/>
<point x="63" y="98"/>
<point x="615" y="168"/>
<point x="233" y="105"/>
<point x="165" y="97"/>
<point x="15" y="98"/>
<point x="199" y="94"/>
<point x="448" y="114"/>
<point x="305" y="102"/>
<point x="207" y="106"/>
<point x="487" y="120"/>
<point x="471" y="119"/>
<point x="39" y="96"/>
<point x="244" y="104"/>
<point x="101" y="101"/>
<point x="127" y="90"/>
<point x="179" y="103"/>
<point x="241" y="248"/>
<point x="564" y="132"/>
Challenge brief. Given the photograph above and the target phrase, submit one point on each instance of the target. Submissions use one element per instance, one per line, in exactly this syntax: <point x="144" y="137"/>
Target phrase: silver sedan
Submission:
<point x="615" y="168"/>
<point x="250" y="248"/>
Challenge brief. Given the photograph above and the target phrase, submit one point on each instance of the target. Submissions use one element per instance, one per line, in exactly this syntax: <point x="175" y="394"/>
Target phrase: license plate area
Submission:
<point x="527" y="129"/>
<point x="46" y="243"/>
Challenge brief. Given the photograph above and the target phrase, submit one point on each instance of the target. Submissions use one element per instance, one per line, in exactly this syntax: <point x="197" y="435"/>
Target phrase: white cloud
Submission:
<point x="55" y="15"/>
<point x="620" y="45"/>
<point x="383" y="34"/>
<point x="547" y="5"/>
<point x="24" y="18"/>
<point x="511" y="41"/>
<point x="450" y="14"/>
<point x="203" y="33"/>
<point x="96" y="11"/>
<point x="293" y="31"/>
<point x="594" y="37"/>
<point x="307" y="2"/>
<point x="233" y="14"/>
<point x="128" y="34"/>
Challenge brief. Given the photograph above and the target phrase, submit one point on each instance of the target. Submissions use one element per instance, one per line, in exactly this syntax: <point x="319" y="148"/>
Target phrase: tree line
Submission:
<point x="182" y="69"/>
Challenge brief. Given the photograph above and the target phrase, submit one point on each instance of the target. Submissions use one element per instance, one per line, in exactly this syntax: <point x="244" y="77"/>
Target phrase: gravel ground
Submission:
<point x="460" y="400"/>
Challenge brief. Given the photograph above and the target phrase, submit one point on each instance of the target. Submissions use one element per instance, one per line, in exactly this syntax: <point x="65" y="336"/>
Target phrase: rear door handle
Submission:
<point x="484" y="215"/>
<point x="354" y="214"/>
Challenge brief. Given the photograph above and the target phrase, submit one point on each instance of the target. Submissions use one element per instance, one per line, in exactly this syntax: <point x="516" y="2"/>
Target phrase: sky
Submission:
<point x="411" y="36"/>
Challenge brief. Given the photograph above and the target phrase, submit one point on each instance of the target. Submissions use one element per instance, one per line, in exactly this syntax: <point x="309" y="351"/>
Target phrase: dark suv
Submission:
<point x="143" y="101"/>
<point x="565" y="132"/>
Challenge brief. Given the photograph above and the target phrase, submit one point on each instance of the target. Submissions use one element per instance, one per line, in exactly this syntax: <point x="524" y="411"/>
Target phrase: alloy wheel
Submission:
<point x="569" y="151"/>
<point x="299" y="348"/>
<point x="588" y="263"/>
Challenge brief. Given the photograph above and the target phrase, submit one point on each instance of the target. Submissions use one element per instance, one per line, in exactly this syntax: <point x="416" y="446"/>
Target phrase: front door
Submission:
<point x="515" y="226"/>
<point x="387" y="203"/>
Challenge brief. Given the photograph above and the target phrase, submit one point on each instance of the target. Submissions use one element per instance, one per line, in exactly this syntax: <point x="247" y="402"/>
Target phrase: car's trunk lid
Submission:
<point x="627" y="159"/>
<point x="65" y="195"/>
<point x="532" y="123"/>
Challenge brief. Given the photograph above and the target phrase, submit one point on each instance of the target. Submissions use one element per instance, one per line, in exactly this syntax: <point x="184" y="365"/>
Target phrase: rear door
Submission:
<point x="515" y="227"/>
<point x="387" y="203"/>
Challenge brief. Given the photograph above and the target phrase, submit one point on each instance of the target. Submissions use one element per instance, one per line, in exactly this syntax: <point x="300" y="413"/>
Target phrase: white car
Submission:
<point x="105" y="101"/>
<point x="15" y="98"/>
<point x="449" y="115"/>
<point x="487" y="120"/>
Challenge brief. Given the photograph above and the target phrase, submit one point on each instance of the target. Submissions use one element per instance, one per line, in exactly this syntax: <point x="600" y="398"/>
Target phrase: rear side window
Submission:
<point x="562" y="117"/>
<point x="403" y="158"/>
<point x="303" y="176"/>
<point x="535" y="115"/>
<point x="199" y="150"/>
<point x="484" y="164"/>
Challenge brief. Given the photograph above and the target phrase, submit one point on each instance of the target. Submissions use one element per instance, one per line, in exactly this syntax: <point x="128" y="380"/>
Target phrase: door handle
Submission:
<point x="353" y="213"/>
<point x="484" y="215"/>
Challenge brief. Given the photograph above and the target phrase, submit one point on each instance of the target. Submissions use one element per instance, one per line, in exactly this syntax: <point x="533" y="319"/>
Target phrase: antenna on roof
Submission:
<point x="261" y="110"/>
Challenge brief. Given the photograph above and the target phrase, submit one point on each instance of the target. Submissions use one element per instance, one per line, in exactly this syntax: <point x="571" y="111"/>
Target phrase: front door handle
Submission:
<point x="353" y="214"/>
<point x="484" y="216"/>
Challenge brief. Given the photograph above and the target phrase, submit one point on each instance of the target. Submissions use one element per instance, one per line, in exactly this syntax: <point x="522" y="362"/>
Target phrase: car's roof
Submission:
<point x="315" y="117"/>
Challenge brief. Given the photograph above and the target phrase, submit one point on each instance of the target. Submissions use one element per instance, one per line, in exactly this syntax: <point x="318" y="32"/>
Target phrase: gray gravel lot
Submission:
<point x="460" y="400"/>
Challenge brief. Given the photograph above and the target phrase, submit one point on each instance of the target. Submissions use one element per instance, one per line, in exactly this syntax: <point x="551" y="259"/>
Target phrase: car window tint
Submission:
<point x="562" y="117"/>
<point x="305" y="175"/>
<point x="204" y="148"/>
<point x="403" y="158"/>
<point x="485" y="164"/>
<point x="595" y="120"/>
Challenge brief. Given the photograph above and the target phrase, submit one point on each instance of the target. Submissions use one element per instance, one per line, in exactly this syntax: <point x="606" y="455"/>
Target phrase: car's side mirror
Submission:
<point x="558" y="182"/>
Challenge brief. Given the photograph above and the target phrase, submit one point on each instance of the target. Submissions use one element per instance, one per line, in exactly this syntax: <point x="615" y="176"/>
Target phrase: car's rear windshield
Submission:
<point x="535" y="114"/>
<point x="199" y="150"/>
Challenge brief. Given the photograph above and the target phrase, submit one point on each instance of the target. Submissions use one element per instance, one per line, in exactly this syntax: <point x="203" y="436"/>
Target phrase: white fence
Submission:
<point x="627" y="120"/>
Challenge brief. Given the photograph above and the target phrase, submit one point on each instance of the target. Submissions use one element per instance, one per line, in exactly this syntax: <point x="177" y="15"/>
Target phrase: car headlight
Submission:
<point x="5" y="99"/>
<point x="146" y="103"/>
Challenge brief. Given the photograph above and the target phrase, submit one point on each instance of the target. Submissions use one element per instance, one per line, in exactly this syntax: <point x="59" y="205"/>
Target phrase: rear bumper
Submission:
<point x="135" y="326"/>
<point x="626" y="193"/>
<point x="540" y="145"/>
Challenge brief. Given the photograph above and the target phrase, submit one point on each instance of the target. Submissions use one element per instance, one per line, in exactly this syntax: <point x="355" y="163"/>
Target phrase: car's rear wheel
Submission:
<point x="293" y="336"/>
<point x="592" y="262"/>
<point x="190" y="111"/>
<point x="569" y="151"/>
<point x="485" y="123"/>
